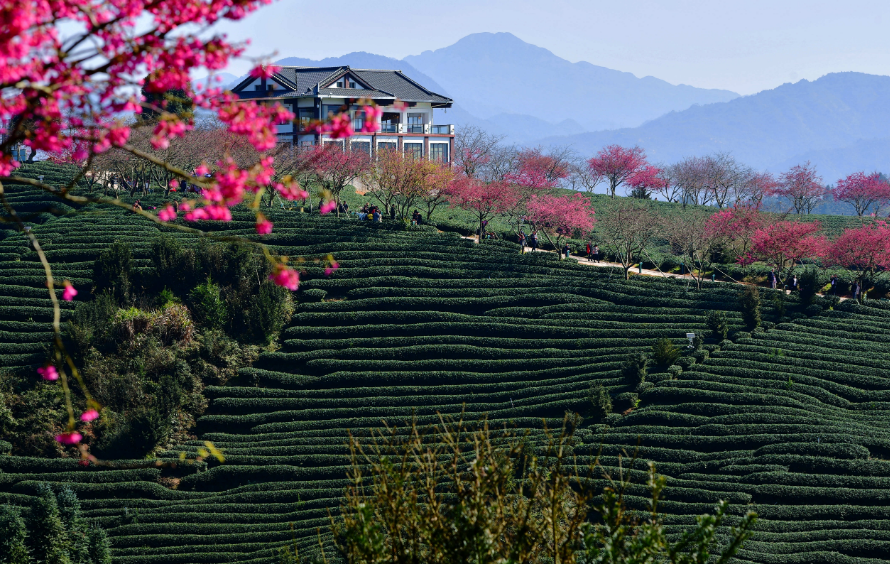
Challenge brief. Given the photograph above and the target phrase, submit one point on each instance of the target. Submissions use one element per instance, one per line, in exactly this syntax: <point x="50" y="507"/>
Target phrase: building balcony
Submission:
<point x="416" y="129"/>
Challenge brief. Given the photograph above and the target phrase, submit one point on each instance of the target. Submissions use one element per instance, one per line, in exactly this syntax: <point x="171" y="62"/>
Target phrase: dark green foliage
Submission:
<point x="99" y="546"/>
<point x="600" y="402"/>
<point x="175" y="101"/>
<point x="47" y="538"/>
<point x="633" y="370"/>
<point x="113" y="271"/>
<point x="268" y="312"/>
<point x="809" y="285"/>
<point x="749" y="300"/>
<point x="779" y="300"/>
<point x="697" y="342"/>
<point x="13" y="536"/>
<point x="208" y="306"/>
<point x="665" y="352"/>
<point x="89" y="326"/>
<point x="716" y="321"/>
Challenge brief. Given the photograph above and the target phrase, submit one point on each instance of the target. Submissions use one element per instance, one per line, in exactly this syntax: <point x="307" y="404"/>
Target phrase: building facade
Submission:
<point x="316" y="93"/>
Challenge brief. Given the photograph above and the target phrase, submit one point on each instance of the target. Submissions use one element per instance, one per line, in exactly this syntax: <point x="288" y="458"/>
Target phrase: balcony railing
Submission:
<point x="414" y="128"/>
<point x="442" y="129"/>
<point x="389" y="128"/>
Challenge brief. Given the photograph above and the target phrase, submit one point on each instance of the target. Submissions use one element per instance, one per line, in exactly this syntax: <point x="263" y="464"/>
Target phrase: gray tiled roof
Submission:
<point x="352" y="93"/>
<point x="301" y="81"/>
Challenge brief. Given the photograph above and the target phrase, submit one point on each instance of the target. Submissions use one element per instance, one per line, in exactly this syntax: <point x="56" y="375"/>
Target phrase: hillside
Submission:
<point x="790" y="422"/>
<point x="497" y="73"/>
<point x="829" y="121"/>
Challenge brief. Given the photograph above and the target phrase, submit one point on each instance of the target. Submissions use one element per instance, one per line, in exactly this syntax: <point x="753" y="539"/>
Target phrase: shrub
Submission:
<point x="113" y="270"/>
<point x="749" y="300"/>
<point x="12" y="542"/>
<point x="270" y="310"/>
<point x="208" y="306"/>
<point x="633" y="370"/>
<point x="600" y="402"/>
<point x="809" y="285"/>
<point x="91" y="322"/>
<point x="665" y="352"/>
<point x="716" y="322"/>
<point x="313" y="295"/>
<point x="675" y="371"/>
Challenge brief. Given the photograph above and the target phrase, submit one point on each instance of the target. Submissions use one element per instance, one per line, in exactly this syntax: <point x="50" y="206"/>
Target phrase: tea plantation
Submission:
<point x="790" y="422"/>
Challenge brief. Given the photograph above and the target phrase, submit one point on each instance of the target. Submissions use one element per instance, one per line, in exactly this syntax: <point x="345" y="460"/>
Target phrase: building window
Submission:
<point x="414" y="149"/>
<point x="336" y="142"/>
<point x="439" y="152"/>
<point x="387" y="146"/>
<point x="330" y="110"/>
<point x="415" y="123"/>
<point x="304" y="117"/>
<point x="361" y="147"/>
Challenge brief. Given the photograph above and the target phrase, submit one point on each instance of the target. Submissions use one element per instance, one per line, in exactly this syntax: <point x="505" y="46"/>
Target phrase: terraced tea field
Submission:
<point x="790" y="422"/>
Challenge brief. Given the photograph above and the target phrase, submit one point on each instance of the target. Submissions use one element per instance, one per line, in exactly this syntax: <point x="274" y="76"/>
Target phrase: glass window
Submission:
<point x="304" y="116"/>
<point x="361" y="147"/>
<point x="329" y="110"/>
<point x="414" y="149"/>
<point x="387" y="146"/>
<point x="439" y="152"/>
<point x="415" y="119"/>
<point x="337" y="142"/>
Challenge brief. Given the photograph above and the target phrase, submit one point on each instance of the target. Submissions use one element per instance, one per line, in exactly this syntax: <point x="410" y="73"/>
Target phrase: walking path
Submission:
<point x="638" y="271"/>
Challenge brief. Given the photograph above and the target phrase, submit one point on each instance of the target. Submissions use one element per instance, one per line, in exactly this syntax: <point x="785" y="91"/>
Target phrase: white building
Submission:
<point x="315" y="93"/>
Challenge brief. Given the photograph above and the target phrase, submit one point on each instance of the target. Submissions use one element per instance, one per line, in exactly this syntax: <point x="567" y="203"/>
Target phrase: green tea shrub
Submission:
<point x="313" y="295"/>
<point x="270" y="310"/>
<point x="665" y="352"/>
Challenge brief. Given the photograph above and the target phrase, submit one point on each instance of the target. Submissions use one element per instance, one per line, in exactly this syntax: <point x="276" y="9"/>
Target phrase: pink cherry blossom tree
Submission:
<point x="864" y="249"/>
<point x="863" y="191"/>
<point x="534" y="169"/>
<point x="757" y="186"/>
<point x="735" y="227"/>
<point x="647" y="180"/>
<point x="484" y="200"/>
<point x="784" y="243"/>
<point x="561" y="216"/>
<point x="617" y="164"/>
<point x="802" y="185"/>
<point x="335" y="168"/>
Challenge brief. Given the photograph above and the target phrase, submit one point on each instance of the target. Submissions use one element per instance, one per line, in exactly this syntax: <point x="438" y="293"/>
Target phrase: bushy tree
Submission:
<point x="600" y="401"/>
<point x="47" y="538"/>
<point x="75" y="526"/>
<point x="634" y="369"/>
<point x="716" y="322"/>
<point x="13" y="536"/>
<point x="749" y="300"/>
<point x="113" y="270"/>
<point x="665" y="352"/>
<point x="208" y="305"/>
<point x="99" y="545"/>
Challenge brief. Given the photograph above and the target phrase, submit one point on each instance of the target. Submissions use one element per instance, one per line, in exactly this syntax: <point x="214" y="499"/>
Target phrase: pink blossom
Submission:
<point x="174" y="183"/>
<point x="537" y="170"/>
<point x="201" y="170"/>
<point x="48" y="372"/>
<point x="400" y="105"/>
<point x="327" y="207"/>
<point x="263" y="225"/>
<point x="284" y="276"/>
<point x="334" y="265"/>
<point x="290" y="191"/>
<point x="617" y="164"/>
<point x="341" y="127"/>
<point x="71" y="438"/>
<point x="89" y="415"/>
<point x="372" y="119"/>
<point x="167" y="213"/>
<point x="69" y="292"/>
<point x="264" y="71"/>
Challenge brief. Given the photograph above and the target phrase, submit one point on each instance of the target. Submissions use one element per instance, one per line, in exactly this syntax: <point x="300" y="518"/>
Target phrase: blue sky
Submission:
<point x="740" y="45"/>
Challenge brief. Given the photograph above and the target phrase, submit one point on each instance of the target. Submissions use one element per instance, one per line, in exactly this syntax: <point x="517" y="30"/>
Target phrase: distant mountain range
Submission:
<point x="841" y="122"/>
<point x="490" y="74"/>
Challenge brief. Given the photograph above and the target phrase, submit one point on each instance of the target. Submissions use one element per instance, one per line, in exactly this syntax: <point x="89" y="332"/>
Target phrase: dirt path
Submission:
<point x="638" y="271"/>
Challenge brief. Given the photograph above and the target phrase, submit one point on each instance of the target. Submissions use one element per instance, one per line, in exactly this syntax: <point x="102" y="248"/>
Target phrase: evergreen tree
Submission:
<point x="749" y="299"/>
<point x="99" y="546"/>
<point x="12" y="537"/>
<point x="47" y="539"/>
<point x="75" y="526"/>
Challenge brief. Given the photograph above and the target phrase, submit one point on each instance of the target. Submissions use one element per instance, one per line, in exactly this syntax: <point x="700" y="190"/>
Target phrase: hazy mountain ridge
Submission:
<point x="495" y="73"/>
<point x="769" y="129"/>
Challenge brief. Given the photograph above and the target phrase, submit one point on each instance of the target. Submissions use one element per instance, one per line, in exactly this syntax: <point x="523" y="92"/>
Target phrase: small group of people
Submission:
<point x="526" y="241"/>
<point x="343" y="207"/>
<point x="793" y="284"/>
<point x="370" y="212"/>
<point x="593" y="254"/>
<point x="416" y="218"/>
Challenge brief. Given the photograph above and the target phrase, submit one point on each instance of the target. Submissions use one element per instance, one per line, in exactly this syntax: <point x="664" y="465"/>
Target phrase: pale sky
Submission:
<point x="740" y="45"/>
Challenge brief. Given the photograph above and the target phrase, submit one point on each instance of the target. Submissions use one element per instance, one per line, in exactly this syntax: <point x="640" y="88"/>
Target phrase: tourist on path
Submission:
<point x="771" y="277"/>
<point x="596" y="253"/>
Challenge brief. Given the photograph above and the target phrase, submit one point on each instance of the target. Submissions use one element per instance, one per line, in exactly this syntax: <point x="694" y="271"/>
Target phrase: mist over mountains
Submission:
<point x="500" y="83"/>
